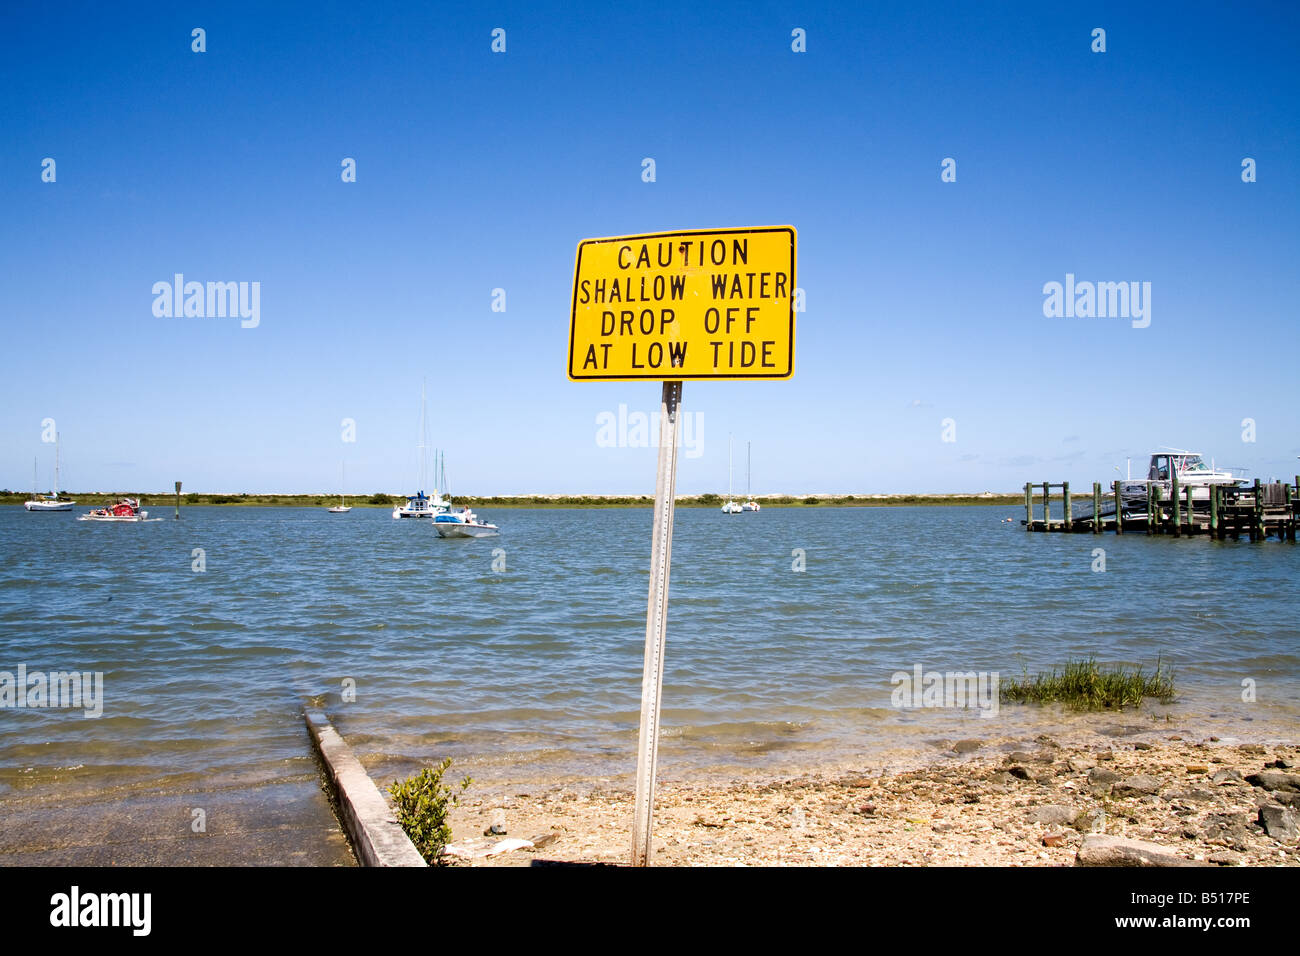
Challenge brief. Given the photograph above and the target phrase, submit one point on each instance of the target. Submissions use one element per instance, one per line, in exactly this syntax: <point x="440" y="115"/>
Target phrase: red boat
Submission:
<point x="126" y="509"/>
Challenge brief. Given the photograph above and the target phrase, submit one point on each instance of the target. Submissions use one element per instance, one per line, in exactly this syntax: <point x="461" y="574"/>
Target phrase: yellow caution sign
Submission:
<point x="702" y="304"/>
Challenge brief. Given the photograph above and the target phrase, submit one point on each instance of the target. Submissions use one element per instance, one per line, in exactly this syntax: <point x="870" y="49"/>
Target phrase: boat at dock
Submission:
<point x="1185" y="468"/>
<point x="1181" y="496"/>
<point x="463" y="524"/>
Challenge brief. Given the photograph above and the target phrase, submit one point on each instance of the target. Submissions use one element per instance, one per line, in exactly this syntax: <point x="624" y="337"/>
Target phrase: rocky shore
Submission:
<point x="1162" y="802"/>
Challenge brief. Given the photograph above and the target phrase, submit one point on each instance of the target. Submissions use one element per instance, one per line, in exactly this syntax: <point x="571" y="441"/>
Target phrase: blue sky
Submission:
<point x="478" y="171"/>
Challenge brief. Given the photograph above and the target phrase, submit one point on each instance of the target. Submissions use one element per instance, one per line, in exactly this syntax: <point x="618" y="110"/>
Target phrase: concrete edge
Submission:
<point x="376" y="835"/>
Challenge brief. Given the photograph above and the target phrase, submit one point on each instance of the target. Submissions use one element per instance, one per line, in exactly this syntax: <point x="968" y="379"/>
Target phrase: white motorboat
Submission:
<point x="463" y="524"/>
<point x="51" y="502"/>
<point x="126" y="510"/>
<point x="1187" y="466"/>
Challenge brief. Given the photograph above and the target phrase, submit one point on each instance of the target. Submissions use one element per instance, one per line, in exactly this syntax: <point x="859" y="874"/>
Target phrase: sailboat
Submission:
<point x="750" y="504"/>
<point x="420" y="505"/>
<point x="342" y="507"/>
<point x="53" y="502"/>
<point x="731" y="507"/>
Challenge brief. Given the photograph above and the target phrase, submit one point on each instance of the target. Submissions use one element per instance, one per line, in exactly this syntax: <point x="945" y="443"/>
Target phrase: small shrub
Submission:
<point x="421" y="803"/>
<point x="810" y="501"/>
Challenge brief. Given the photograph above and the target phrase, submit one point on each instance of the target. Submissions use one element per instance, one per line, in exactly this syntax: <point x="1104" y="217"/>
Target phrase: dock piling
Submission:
<point x="1178" y="506"/>
<point x="1256" y="514"/>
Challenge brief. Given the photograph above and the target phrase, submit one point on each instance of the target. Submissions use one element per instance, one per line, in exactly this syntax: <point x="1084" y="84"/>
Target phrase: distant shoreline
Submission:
<point x="168" y="499"/>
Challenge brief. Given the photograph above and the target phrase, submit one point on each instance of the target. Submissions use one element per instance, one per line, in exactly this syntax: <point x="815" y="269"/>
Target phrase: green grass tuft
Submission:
<point x="1084" y="685"/>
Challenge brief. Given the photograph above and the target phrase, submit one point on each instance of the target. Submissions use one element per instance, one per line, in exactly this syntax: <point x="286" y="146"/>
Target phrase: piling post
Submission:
<point x="1069" y="520"/>
<point x="1191" y="513"/>
<point x="1119" y="509"/>
<point x="1214" y="511"/>
<point x="1178" y="503"/>
<point x="1029" y="507"/>
<point x="1256" y="514"/>
<point x="1096" y="507"/>
<point x="1047" y="517"/>
<point x="1288" y="521"/>
<point x="178" y="499"/>
<point x="1151" y="509"/>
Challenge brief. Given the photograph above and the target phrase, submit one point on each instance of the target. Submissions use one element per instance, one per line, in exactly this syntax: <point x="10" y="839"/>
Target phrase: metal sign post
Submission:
<point x="698" y="304"/>
<point x="178" y="499"/>
<point x="656" y="623"/>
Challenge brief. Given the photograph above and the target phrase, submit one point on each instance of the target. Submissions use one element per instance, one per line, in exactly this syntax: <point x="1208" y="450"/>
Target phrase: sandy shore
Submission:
<point x="967" y="803"/>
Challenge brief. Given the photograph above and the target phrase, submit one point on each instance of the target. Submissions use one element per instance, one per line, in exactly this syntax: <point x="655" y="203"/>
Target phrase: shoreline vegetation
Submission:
<point x="381" y="500"/>
<point x="1086" y="685"/>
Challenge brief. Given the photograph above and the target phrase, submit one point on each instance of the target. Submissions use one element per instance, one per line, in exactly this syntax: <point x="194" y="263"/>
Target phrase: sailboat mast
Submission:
<point x="748" y="462"/>
<point x="56" y="465"/>
<point x="728" y="467"/>
<point x="424" y="428"/>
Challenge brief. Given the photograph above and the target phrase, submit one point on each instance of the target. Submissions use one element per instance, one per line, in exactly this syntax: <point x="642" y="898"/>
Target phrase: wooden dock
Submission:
<point x="1269" y="510"/>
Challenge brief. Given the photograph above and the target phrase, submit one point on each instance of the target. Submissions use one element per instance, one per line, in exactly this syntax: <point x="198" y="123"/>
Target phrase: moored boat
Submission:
<point x="342" y="507"/>
<point x="52" y="501"/>
<point x="730" y="507"/>
<point x="1187" y="467"/>
<point x="420" y="505"/>
<point x="463" y="524"/>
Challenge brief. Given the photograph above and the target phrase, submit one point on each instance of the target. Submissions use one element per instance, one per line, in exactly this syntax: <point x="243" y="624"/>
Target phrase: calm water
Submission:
<point x="534" y="672"/>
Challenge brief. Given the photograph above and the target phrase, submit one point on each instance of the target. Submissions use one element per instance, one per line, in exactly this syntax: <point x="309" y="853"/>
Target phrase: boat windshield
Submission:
<point x="1191" y="463"/>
